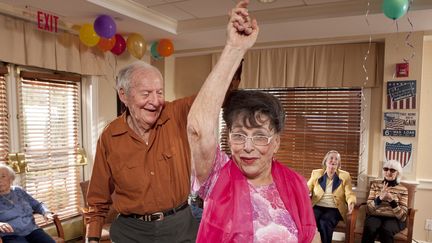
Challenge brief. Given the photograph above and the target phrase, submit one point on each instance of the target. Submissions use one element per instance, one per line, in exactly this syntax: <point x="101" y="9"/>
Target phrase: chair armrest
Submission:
<point x="410" y="223"/>
<point x="352" y="222"/>
<point x="58" y="225"/>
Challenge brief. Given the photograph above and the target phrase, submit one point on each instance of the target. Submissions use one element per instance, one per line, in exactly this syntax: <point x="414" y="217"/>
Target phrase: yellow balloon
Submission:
<point x="136" y="45"/>
<point x="88" y="35"/>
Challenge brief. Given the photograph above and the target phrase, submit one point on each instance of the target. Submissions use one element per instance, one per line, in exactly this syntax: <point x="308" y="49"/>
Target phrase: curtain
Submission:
<point x="324" y="66"/>
<point x="23" y="43"/>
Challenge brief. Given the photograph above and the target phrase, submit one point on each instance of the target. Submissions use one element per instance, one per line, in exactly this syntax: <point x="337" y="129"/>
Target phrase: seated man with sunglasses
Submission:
<point x="387" y="205"/>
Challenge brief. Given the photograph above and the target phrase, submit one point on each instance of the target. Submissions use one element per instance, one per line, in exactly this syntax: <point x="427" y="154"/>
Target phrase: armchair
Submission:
<point x="112" y="214"/>
<point x="359" y="214"/>
<point x="344" y="227"/>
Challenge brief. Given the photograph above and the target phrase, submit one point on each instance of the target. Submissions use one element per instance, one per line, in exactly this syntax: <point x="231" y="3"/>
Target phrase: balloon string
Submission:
<point x="407" y="39"/>
<point x="363" y="170"/>
<point x="369" y="47"/>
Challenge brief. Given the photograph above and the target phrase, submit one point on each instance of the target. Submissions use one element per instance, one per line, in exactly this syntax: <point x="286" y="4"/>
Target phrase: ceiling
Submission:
<point x="195" y="25"/>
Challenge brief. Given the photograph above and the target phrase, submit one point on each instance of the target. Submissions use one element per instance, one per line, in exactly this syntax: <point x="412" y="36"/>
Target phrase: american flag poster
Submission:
<point x="400" y="124"/>
<point x="401" y="95"/>
<point x="399" y="151"/>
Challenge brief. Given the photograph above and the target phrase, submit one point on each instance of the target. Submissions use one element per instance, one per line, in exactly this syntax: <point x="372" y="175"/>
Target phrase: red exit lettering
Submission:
<point x="47" y="21"/>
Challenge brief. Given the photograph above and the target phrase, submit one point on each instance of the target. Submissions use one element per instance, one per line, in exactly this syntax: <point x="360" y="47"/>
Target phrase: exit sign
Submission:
<point x="47" y="21"/>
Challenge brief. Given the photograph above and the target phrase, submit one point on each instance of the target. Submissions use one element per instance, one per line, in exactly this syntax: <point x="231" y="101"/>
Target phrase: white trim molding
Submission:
<point x="425" y="184"/>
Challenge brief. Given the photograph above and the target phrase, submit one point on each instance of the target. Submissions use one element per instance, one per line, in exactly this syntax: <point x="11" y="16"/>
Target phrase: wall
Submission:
<point x="190" y="73"/>
<point x="424" y="154"/>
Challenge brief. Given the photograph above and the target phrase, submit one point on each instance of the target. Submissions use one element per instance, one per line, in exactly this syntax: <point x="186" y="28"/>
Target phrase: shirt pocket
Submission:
<point x="165" y="164"/>
<point x="127" y="173"/>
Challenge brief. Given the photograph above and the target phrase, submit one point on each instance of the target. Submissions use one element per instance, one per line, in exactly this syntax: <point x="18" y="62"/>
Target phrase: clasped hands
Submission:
<point x="385" y="195"/>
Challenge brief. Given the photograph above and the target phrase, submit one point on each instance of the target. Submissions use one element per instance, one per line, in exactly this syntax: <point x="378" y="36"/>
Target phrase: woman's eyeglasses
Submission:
<point x="238" y="138"/>
<point x="389" y="169"/>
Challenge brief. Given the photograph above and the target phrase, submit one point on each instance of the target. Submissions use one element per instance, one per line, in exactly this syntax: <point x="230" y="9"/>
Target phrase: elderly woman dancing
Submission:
<point x="250" y="196"/>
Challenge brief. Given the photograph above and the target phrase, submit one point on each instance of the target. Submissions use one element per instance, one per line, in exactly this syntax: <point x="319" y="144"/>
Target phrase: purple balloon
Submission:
<point x="105" y="26"/>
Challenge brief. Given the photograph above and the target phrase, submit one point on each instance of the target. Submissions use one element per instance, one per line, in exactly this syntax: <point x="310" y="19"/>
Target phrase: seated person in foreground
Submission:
<point x="250" y="196"/>
<point x="17" y="223"/>
<point x="332" y="195"/>
<point x="387" y="206"/>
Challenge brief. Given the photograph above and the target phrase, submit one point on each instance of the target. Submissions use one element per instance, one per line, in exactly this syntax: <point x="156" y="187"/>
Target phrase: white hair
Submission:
<point x="125" y="75"/>
<point x="9" y="170"/>
<point x="394" y="164"/>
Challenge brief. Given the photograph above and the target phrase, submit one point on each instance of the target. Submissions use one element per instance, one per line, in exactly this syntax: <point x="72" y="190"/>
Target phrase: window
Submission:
<point x="4" y="124"/>
<point x="318" y="120"/>
<point x="49" y="130"/>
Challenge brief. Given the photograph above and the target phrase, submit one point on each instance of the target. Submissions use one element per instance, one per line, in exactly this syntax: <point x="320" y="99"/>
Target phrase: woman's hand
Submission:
<point x="350" y="208"/>
<point x="242" y="30"/>
<point x="48" y="216"/>
<point x="6" y="228"/>
<point x="385" y="195"/>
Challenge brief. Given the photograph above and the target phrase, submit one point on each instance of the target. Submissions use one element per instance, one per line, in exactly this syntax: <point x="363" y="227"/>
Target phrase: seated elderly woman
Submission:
<point x="17" y="223"/>
<point x="332" y="195"/>
<point x="387" y="205"/>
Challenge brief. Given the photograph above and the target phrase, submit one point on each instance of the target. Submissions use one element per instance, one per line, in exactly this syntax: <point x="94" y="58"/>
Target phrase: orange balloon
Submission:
<point x="165" y="47"/>
<point x="106" y="44"/>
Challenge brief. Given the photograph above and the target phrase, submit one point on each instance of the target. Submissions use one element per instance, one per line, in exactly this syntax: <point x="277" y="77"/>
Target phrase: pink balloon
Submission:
<point x="120" y="45"/>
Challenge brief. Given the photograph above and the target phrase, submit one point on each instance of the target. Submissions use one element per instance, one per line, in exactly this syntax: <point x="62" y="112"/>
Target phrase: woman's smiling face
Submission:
<point x="254" y="160"/>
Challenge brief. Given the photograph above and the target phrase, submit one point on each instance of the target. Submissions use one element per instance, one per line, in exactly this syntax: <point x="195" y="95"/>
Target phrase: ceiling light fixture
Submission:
<point x="266" y="1"/>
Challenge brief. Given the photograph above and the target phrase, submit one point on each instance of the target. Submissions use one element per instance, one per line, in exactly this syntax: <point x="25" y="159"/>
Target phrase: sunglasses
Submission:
<point x="389" y="169"/>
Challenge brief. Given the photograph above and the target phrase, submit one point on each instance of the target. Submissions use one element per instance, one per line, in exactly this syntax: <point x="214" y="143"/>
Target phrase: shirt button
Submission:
<point x="151" y="173"/>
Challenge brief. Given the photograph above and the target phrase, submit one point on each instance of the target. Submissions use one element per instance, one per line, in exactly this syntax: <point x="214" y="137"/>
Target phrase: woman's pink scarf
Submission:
<point x="227" y="215"/>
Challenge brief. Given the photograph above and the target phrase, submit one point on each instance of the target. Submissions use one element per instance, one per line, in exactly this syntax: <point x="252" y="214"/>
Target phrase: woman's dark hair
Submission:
<point x="250" y="105"/>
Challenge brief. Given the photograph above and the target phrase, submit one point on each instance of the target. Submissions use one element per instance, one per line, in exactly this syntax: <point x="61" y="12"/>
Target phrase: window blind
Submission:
<point x="49" y="123"/>
<point x="317" y="121"/>
<point x="4" y="121"/>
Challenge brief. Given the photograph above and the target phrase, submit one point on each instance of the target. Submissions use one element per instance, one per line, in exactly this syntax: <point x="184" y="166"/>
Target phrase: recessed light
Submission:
<point x="266" y="1"/>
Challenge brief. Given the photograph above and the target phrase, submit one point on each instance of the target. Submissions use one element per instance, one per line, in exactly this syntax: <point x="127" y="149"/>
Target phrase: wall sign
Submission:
<point x="401" y="152"/>
<point x="400" y="124"/>
<point x="401" y="95"/>
<point x="47" y="21"/>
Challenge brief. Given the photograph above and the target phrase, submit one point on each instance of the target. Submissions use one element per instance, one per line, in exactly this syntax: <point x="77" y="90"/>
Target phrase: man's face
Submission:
<point x="145" y="98"/>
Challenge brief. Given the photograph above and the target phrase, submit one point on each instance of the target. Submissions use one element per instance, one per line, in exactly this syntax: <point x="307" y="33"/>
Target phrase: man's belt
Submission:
<point x="158" y="216"/>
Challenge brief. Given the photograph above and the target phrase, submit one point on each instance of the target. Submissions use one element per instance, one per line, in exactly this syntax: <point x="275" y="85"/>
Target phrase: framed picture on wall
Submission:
<point x="401" y="95"/>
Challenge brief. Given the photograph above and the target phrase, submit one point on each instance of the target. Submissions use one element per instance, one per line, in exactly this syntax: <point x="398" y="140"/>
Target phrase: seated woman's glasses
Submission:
<point x="238" y="138"/>
<point x="389" y="169"/>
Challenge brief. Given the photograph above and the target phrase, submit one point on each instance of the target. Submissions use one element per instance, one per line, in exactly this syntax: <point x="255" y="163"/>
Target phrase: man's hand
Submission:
<point x="242" y="31"/>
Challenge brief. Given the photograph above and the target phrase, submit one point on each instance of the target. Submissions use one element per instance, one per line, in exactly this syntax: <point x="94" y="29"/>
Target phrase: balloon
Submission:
<point x="106" y="44"/>
<point x="165" y="47"/>
<point x="105" y="26"/>
<point x="395" y="9"/>
<point x="153" y="50"/>
<point x="120" y="45"/>
<point x="136" y="45"/>
<point x="88" y="36"/>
